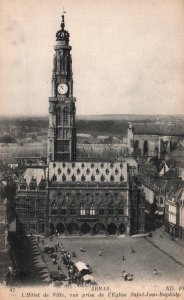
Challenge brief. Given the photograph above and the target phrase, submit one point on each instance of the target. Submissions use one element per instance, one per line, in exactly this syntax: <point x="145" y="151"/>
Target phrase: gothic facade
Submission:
<point x="79" y="196"/>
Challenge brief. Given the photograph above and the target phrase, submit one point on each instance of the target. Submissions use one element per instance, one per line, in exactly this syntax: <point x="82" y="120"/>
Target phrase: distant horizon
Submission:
<point x="92" y="115"/>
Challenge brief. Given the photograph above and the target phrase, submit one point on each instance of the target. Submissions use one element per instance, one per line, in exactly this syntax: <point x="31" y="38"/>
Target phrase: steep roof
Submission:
<point x="34" y="173"/>
<point x="88" y="172"/>
<point x="158" y="129"/>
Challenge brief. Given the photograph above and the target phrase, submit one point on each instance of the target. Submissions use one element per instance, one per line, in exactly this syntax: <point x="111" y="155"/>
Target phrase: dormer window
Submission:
<point x="68" y="171"/>
<point x="107" y="171"/>
<point x="116" y="171"/>
<point x="102" y="165"/>
<point x="32" y="186"/>
<point x="63" y="178"/>
<point x="102" y="177"/>
<point x="73" y="165"/>
<point x="59" y="171"/>
<point x="87" y="171"/>
<point x="54" y="177"/>
<point x="97" y="171"/>
<point x="78" y="171"/>
<point x="92" y="178"/>
<point x="83" y="165"/>
<point x="112" y="178"/>
<point x="121" y="178"/>
<point x="54" y="165"/>
<point x="92" y="165"/>
<point x="111" y="165"/>
<point x="73" y="178"/>
<point x="42" y="185"/>
<point x="64" y="165"/>
<point x="83" y="178"/>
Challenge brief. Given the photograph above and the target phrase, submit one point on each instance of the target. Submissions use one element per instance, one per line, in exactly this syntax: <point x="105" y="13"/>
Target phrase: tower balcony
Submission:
<point x="62" y="46"/>
<point x="62" y="73"/>
<point x="62" y="99"/>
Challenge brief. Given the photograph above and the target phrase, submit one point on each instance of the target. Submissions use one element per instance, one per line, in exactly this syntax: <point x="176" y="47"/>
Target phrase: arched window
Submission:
<point x="120" y="209"/>
<point x="161" y="201"/>
<point x="22" y="186"/>
<point x="82" y="211"/>
<point x="72" y="209"/>
<point x="33" y="185"/>
<point x="58" y="116"/>
<point x="63" y="210"/>
<point x="101" y="209"/>
<point x="65" y="116"/>
<point x="145" y="148"/>
<point x="92" y="210"/>
<point x="111" y="209"/>
<point x="42" y="185"/>
<point x="54" y="209"/>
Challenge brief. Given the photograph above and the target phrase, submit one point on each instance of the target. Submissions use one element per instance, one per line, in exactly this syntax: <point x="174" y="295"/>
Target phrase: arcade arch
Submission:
<point x="112" y="229"/>
<point x="99" y="228"/>
<point x="85" y="228"/>
<point x="60" y="228"/>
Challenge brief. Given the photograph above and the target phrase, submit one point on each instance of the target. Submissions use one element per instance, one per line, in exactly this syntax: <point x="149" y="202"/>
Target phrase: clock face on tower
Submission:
<point x="62" y="88"/>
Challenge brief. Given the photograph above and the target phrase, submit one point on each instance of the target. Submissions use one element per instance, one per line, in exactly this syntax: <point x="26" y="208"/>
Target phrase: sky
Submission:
<point x="127" y="55"/>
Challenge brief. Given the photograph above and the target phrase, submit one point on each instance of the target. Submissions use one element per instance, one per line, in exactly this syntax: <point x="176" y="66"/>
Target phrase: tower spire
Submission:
<point x="63" y="19"/>
<point x="62" y="33"/>
<point x="63" y="22"/>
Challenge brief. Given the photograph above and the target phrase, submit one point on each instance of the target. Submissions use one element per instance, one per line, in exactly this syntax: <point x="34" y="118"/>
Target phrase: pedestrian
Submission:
<point x="155" y="272"/>
<point x="133" y="251"/>
<point x="99" y="253"/>
<point x="123" y="257"/>
<point x="54" y="261"/>
<point x="124" y="275"/>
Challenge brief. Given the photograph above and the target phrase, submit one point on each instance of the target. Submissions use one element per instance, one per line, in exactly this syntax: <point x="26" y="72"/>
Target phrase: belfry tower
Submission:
<point x="62" y="130"/>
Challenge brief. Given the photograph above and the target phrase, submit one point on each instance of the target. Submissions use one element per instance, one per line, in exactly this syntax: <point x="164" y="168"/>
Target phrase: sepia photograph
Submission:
<point x="92" y="149"/>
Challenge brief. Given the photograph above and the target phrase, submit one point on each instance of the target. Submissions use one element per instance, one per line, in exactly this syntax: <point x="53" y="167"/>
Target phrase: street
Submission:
<point x="157" y="253"/>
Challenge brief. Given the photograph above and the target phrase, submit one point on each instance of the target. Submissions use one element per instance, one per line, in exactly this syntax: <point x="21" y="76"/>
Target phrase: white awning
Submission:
<point x="88" y="277"/>
<point x="81" y="266"/>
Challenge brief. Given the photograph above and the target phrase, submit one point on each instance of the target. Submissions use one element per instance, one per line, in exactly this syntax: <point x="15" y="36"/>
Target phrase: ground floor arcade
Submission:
<point x="87" y="228"/>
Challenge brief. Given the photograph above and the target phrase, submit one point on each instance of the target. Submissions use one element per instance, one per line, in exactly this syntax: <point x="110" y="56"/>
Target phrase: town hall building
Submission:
<point x="68" y="195"/>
